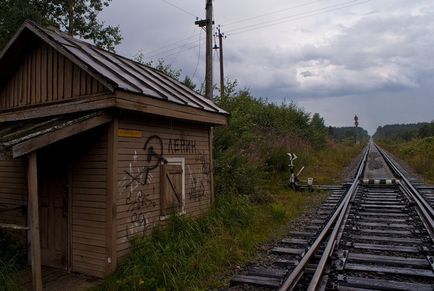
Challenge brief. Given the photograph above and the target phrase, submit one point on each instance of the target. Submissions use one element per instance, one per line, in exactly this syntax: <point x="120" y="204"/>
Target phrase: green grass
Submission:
<point x="326" y="165"/>
<point x="194" y="254"/>
<point x="418" y="153"/>
<point x="7" y="269"/>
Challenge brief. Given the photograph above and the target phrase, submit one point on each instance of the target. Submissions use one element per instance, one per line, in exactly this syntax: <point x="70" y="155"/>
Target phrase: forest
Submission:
<point x="348" y="133"/>
<point x="405" y="132"/>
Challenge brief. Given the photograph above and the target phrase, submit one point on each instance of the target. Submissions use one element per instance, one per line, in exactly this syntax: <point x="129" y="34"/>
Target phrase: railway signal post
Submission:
<point x="292" y="177"/>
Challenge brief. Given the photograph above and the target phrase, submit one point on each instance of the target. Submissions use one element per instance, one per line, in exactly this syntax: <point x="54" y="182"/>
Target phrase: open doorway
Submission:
<point x="53" y="210"/>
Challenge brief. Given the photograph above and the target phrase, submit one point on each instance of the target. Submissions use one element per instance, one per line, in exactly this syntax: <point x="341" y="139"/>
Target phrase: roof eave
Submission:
<point x="147" y="104"/>
<point x="12" y="40"/>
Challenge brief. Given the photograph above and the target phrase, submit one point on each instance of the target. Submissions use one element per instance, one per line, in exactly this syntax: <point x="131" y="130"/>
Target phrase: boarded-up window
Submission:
<point x="172" y="197"/>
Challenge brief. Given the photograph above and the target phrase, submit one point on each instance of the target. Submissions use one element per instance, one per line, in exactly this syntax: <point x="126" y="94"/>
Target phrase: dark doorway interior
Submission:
<point x="53" y="209"/>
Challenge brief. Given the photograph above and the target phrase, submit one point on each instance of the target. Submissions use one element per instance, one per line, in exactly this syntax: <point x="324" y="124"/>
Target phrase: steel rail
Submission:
<point x="424" y="207"/>
<point x="292" y="280"/>
<point x="423" y="214"/>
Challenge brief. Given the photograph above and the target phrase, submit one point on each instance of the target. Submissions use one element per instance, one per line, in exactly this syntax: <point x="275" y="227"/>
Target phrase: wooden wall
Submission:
<point x="13" y="194"/>
<point x="138" y="203"/>
<point x="46" y="76"/>
<point x="88" y="190"/>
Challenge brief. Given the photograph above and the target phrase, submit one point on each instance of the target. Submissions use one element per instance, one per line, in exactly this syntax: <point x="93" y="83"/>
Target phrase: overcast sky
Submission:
<point x="338" y="58"/>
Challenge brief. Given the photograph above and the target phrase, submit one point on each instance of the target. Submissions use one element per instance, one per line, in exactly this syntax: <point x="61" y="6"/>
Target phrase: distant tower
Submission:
<point x="356" y="128"/>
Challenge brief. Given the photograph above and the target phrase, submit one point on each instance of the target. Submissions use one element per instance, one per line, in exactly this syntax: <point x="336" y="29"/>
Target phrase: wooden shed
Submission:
<point x="95" y="149"/>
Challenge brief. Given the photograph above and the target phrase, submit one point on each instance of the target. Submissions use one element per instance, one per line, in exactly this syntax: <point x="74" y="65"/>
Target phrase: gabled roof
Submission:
<point x="112" y="70"/>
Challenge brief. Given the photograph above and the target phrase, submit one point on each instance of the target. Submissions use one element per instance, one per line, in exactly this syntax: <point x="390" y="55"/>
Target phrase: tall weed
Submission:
<point x="175" y="256"/>
<point x="418" y="153"/>
<point x="12" y="257"/>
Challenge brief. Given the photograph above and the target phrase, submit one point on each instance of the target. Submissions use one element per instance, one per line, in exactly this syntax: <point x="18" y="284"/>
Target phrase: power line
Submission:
<point x="242" y="29"/>
<point x="231" y="23"/>
<point x="297" y="16"/>
<point x="157" y="51"/>
<point x="183" y="50"/>
<point x="179" y="8"/>
<point x="171" y="44"/>
<point x="171" y="49"/>
<point x="289" y="17"/>
<point x="177" y="54"/>
<point x="198" y="55"/>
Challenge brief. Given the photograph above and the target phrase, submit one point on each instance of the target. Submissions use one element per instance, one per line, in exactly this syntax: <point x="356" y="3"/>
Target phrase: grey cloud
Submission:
<point x="376" y="54"/>
<point x="306" y="74"/>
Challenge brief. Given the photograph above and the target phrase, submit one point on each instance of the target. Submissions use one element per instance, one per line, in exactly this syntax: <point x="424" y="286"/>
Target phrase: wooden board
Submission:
<point x="89" y="203"/>
<point x="141" y="204"/>
<point x="45" y="76"/>
<point x="171" y="199"/>
<point x="13" y="195"/>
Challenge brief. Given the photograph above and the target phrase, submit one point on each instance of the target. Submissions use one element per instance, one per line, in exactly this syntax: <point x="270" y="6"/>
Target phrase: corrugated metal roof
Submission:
<point x="13" y="133"/>
<point x="128" y="75"/>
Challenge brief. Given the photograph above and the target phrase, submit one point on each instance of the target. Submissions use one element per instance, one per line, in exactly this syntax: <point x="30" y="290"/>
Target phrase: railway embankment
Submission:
<point x="375" y="233"/>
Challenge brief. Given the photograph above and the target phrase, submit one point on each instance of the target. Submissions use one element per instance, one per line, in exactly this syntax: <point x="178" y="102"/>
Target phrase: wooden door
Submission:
<point x="171" y="198"/>
<point x="53" y="213"/>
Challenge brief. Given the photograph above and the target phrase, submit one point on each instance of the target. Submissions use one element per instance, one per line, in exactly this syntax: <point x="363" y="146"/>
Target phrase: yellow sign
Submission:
<point x="130" y="133"/>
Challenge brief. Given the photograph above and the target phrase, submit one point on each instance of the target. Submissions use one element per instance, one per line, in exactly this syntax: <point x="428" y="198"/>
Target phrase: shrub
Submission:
<point x="12" y="257"/>
<point x="253" y="145"/>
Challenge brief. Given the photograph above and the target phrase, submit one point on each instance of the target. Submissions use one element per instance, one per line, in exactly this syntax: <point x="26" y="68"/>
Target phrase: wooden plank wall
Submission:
<point x="46" y="76"/>
<point x="89" y="174"/>
<point x="138" y="203"/>
<point x="13" y="193"/>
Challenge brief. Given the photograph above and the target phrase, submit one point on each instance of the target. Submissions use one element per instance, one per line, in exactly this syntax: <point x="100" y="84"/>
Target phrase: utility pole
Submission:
<point x="222" y="75"/>
<point x="356" y="123"/>
<point x="208" y="76"/>
<point x="208" y="23"/>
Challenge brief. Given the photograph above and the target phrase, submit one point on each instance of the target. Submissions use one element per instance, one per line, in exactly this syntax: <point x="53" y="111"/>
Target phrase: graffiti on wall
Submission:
<point x="136" y="185"/>
<point x="200" y="179"/>
<point x="138" y="188"/>
<point x="180" y="145"/>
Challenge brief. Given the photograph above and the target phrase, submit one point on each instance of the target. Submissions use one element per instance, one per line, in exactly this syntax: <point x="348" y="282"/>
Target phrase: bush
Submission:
<point x="253" y="145"/>
<point x="12" y="257"/>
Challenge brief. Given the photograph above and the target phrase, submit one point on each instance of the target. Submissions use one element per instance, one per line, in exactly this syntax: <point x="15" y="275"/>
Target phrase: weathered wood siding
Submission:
<point x="89" y="172"/>
<point x="46" y="76"/>
<point x="13" y="194"/>
<point x="141" y="144"/>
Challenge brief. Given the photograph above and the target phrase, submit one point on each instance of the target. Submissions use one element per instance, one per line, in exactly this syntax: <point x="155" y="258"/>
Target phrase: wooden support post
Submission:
<point x="35" y="244"/>
<point x="111" y="202"/>
<point x="211" y="162"/>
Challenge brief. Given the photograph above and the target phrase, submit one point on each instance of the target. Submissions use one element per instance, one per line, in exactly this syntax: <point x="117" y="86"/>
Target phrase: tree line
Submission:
<point x="348" y="133"/>
<point x="405" y="132"/>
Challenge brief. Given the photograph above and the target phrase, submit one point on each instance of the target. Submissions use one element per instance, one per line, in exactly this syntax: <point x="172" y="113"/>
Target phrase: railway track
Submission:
<point x="375" y="233"/>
